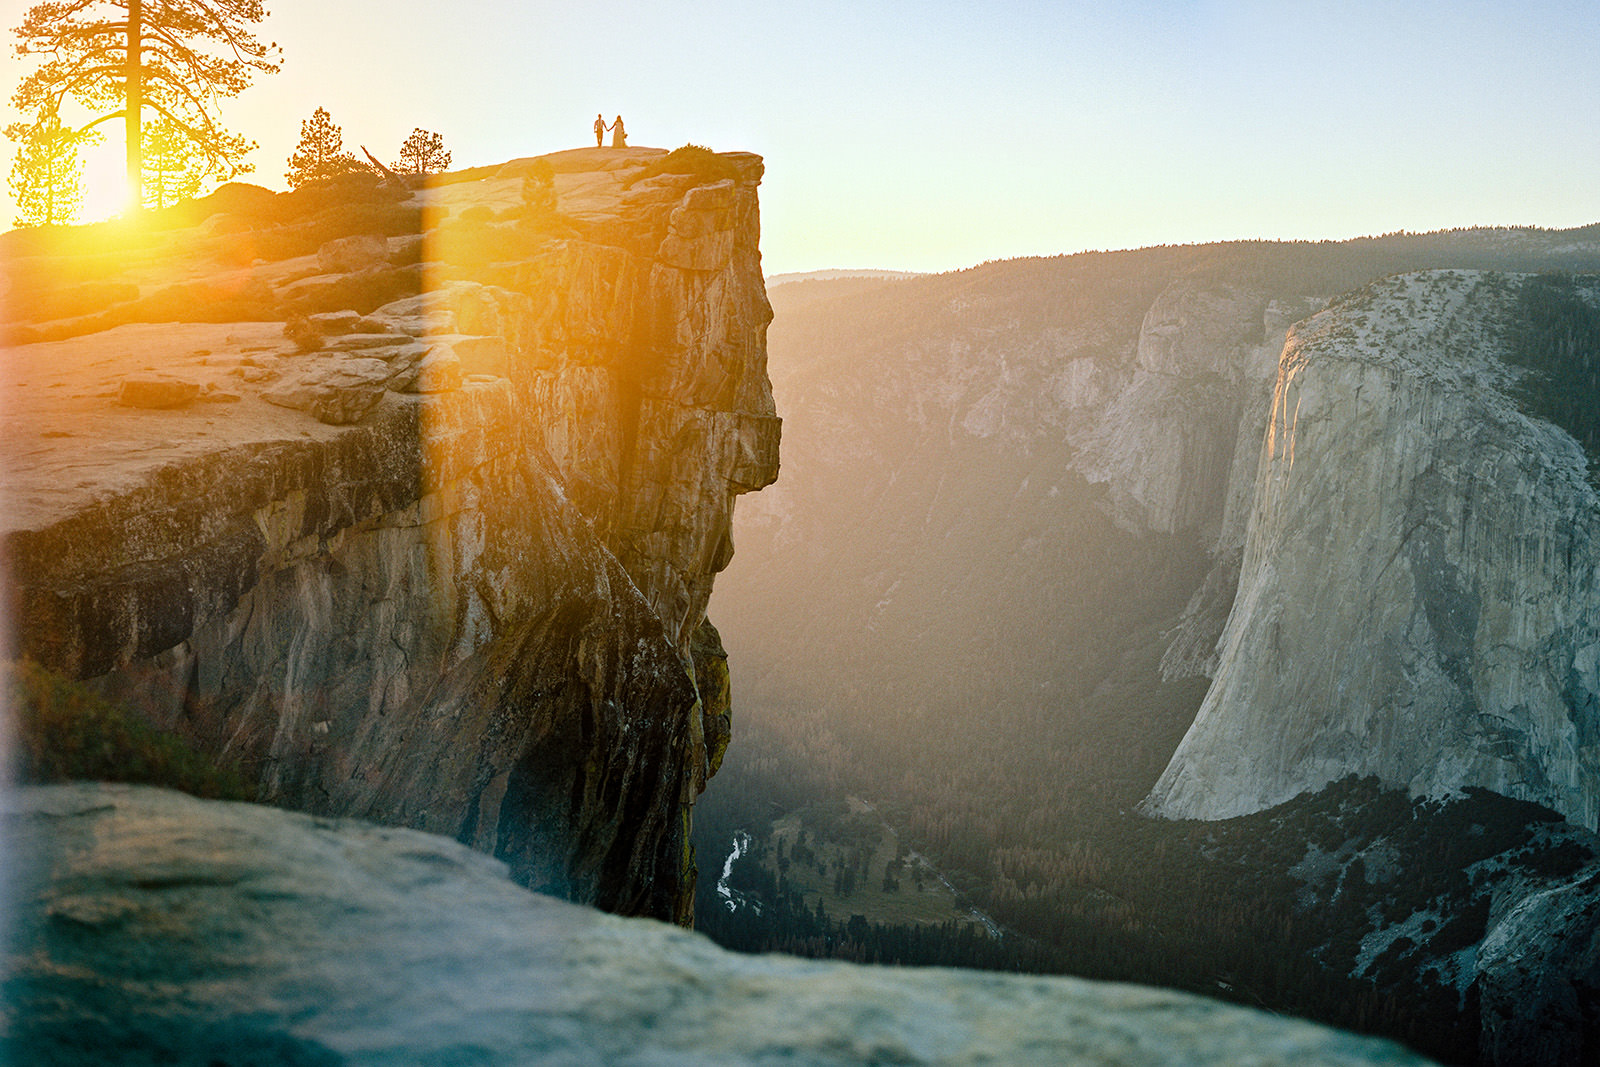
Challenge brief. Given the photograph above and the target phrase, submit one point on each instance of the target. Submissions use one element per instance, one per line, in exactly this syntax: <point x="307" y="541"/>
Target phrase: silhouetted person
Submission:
<point x="619" y="136"/>
<point x="599" y="131"/>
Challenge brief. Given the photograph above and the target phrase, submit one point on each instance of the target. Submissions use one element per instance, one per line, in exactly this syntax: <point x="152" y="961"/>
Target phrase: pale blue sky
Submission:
<point x="935" y="135"/>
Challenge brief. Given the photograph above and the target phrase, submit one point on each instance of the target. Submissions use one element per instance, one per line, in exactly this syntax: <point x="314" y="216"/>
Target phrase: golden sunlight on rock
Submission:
<point x="408" y="501"/>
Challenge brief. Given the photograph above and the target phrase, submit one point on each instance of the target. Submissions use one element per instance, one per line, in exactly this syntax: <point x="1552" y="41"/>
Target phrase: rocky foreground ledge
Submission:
<point x="156" y="928"/>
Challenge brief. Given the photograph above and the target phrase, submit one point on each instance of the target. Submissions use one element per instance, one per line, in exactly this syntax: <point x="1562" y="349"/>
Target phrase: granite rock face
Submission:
<point x="932" y="543"/>
<point x="153" y="927"/>
<point x="463" y="587"/>
<point x="1418" y="593"/>
<point x="1538" y="976"/>
<point x="1423" y="525"/>
<point x="1403" y="577"/>
<point x="1175" y="444"/>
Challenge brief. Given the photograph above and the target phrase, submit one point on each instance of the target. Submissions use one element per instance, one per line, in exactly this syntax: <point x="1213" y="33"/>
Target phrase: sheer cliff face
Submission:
<point x="1401" y="576"/>
<point x="1001" y="488"/>
<point x="477" y="609"/>
<point x="1418" y="597"/>
<point x="1169" y="444"/>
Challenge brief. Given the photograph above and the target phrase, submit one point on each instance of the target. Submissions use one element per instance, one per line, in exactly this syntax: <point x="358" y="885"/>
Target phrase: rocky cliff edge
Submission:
<point x="154" y="927"/>
<point x="417" y="523"/>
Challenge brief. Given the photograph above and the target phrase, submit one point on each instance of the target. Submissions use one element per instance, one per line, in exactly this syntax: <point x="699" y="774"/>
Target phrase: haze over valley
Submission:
<point x="1063" y="544"/>
<point x="943" y="534"/>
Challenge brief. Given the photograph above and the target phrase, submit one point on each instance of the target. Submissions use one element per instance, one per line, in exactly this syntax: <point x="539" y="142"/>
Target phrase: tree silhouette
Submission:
<point x="320" y="153"/>
<point x="175" y="58"/>
<point x="47" y="176"/>
<point x="539" y="191"/>
<point x="423" y="153"/>
<point x="172" y="170"/>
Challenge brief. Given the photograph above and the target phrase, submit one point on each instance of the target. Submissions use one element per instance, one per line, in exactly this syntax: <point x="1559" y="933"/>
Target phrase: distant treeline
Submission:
<point x="1031" y="293"/>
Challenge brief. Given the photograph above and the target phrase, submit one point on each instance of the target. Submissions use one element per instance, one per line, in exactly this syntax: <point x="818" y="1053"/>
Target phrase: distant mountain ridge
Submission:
<point x="1146" y="376"/>
<point x="835" y="275"/>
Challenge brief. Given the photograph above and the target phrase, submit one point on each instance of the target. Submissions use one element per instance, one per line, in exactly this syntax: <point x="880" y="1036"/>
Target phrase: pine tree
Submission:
<point x="174" y="58"/>
<point x="423" y="153"/>
<point x="320" y="154"/>
<point x="47" y="176"/>
<point x="539" y="202"/>
<point x="172" y="167"/>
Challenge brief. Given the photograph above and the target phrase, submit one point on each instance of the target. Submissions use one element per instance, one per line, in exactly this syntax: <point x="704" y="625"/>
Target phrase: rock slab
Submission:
<point x="156" y="928"/>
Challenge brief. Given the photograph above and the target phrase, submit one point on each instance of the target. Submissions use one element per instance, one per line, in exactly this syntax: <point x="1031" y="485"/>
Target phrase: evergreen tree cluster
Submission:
<point x="1269" y="910"/>
<point x="163" y="67"/>
<point x="320" y="155"/>
<point x="47" y="176"/>
<point x="1555" y="334"/>
<point x="160" y="67"/>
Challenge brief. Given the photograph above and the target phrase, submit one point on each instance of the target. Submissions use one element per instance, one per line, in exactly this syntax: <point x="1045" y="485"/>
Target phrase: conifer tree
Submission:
<point x="47" y="176"/>
<point x="423" y="153"/>
<point x="539" y="191"/>
<point x="320" y="154"/>
<point x="172" y="58"/>
<point x="172" y="167"/>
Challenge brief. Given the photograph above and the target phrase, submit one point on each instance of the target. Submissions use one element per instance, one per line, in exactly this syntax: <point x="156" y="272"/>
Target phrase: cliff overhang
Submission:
<point x="434" y="546"/>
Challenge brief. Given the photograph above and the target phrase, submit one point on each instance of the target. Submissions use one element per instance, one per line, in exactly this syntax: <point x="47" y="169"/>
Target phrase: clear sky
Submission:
<point x="935" y="134"/>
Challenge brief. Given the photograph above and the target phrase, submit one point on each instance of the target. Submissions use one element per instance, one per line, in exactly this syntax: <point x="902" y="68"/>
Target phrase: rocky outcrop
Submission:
<point x="456" y="579"/>
<point x="155" y="927"/>
<point x="1538" y="974"/>
<point x="1418" y="590"/>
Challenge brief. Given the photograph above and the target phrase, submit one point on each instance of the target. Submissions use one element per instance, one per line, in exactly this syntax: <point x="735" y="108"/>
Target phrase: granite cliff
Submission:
<point x="963" y="433"/>
<point x="1237" y="520"/>
<point x="1362" y="479"/>
<point x="437" y="552"/>
<point x="1417" y="598"/>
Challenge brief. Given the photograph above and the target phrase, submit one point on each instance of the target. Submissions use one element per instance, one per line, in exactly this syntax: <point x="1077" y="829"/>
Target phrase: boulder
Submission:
<point x="362" y="289"/>
<point x="347" y="321"/>
<point x="439" y="371"/>
<point x="335" y="391"/>
<point x="157" y="928"/>
<point x="407" y="248"/>
<point x="330" y="323"/>
<point x="157" y="391"/>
